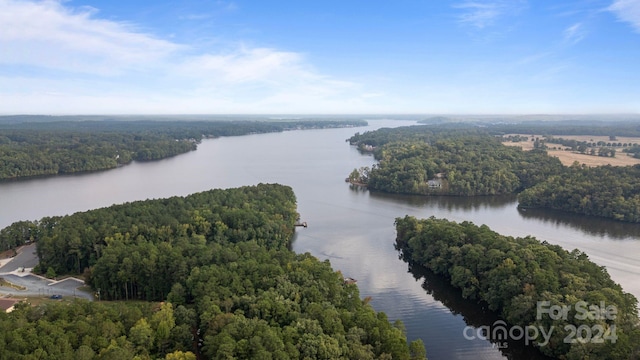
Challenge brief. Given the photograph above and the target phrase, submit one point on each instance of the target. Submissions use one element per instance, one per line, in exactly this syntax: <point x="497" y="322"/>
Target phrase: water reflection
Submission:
<point x="591" y="225"/>
<point x="358" y="188"/>
<point x="350" y="226"/>
<point x="474" y="315"/>
<point x="448" y="203"/>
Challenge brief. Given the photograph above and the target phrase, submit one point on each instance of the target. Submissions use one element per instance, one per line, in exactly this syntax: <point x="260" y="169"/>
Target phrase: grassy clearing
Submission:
<point x="568" y="157"/>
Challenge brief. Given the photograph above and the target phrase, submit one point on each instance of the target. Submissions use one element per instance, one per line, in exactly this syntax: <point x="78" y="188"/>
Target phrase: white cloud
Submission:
<point x="482" y="13"/>
<point x="243" y="65"/>
<point x="57" y="59"/>
<point x="574" y="33"/>
<point x="48" y="35"/>
<point x="627" y="11"/>
<point x="479" y="14"/>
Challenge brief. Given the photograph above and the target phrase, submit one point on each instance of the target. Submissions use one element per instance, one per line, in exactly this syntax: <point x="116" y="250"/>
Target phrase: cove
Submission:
<point x="350" y="227"/>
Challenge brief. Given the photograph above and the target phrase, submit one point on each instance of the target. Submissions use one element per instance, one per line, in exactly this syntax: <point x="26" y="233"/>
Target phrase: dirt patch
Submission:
<point x="8" y="254"/>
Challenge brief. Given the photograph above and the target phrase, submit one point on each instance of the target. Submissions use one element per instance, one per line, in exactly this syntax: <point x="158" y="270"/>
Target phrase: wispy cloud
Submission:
<point x="533" y="58"/>
<point x="627" y="11"/>
<point x="48" y="35"/>
<point x="55" y="54"/>
<point x="216" y="8"/>
<point x="243" y="65"/>
<point x="195" y="17"/>
<point x="571" y="8"/>
<point x="483" y="13"/>
<point x="574" y="33"/>
<point x="227" y="5"/>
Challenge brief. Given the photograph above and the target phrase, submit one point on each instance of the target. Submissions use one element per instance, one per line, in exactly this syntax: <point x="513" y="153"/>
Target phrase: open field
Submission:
<point x="568" y="157"/>
<point x="590" y="138"/>
<point x="525" y="145"/>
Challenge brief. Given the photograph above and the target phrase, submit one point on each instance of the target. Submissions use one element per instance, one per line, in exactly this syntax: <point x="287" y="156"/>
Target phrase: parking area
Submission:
<point x="18" y="272"/>
<point x="26" y="258"/>
<point x="39" y="286"/>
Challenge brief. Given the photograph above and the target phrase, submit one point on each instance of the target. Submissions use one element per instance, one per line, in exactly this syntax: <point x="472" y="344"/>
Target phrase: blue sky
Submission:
<point x="317" y="57"/>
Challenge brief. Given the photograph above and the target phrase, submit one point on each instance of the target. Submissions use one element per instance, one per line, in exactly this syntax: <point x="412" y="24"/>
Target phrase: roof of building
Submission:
<point x="6" y="304"/>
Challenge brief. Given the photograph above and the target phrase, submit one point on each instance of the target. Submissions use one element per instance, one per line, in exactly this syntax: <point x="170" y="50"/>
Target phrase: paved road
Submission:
<point x="26" y="258"/>
<point x="36" y="285"/>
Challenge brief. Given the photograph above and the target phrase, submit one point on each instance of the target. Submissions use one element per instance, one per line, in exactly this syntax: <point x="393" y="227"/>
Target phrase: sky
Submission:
<point x="319" y="57"/>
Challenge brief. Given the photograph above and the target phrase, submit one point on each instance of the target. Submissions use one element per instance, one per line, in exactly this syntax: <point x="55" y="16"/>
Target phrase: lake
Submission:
<point x="347" y="225"/>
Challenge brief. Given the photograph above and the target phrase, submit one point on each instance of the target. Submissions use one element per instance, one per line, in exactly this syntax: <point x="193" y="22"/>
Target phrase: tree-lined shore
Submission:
<point x="465" y="160"/>
<point x="526" y="281"/>
<point x="220" y="261"/>
<point x="69" y="145"/>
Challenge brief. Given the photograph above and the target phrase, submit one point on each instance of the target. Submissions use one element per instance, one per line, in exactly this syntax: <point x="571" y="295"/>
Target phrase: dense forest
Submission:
<point x="458" y="161"/>
<point x="607" y="191"/>
<point x="467" y="161"/>
<point x="221" y="261"/>
<point x="370" y="140"/>
<point x="465" y="165"/>
<point x="514" y="276"/>
<point x="61" y="147"/>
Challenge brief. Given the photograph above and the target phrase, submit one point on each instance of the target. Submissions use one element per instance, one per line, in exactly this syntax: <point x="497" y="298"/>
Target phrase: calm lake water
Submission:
<point x="350" y="227"/>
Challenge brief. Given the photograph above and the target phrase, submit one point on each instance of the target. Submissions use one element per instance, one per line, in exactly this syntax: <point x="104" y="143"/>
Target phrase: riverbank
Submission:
<point x="351" y="228"/>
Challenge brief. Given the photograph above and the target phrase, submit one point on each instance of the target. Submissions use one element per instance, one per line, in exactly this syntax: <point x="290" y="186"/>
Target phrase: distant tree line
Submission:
<point x="513" y="276"/>
<point x="437" y="160"/>
<point x="597" y="148"/>
<point x="221" y="261"/>
<point x="576" y="144"/>
<point x="421" y="133"/>
<point x="570" y="127"/>
<point x="63" y="147"/>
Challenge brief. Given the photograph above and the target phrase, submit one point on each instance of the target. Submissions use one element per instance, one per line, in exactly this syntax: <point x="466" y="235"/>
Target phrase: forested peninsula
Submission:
<point x="220" y="260"/>
<point x="529" y="284"/>
<point x="43" y="145"/>
<point x="467" y="160"/>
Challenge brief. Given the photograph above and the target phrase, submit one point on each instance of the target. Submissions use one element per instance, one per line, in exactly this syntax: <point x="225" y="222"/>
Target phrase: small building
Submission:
<point x="434" y="184"/>
<point x="349" y="280"/>
<point x="7" y="305"/>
